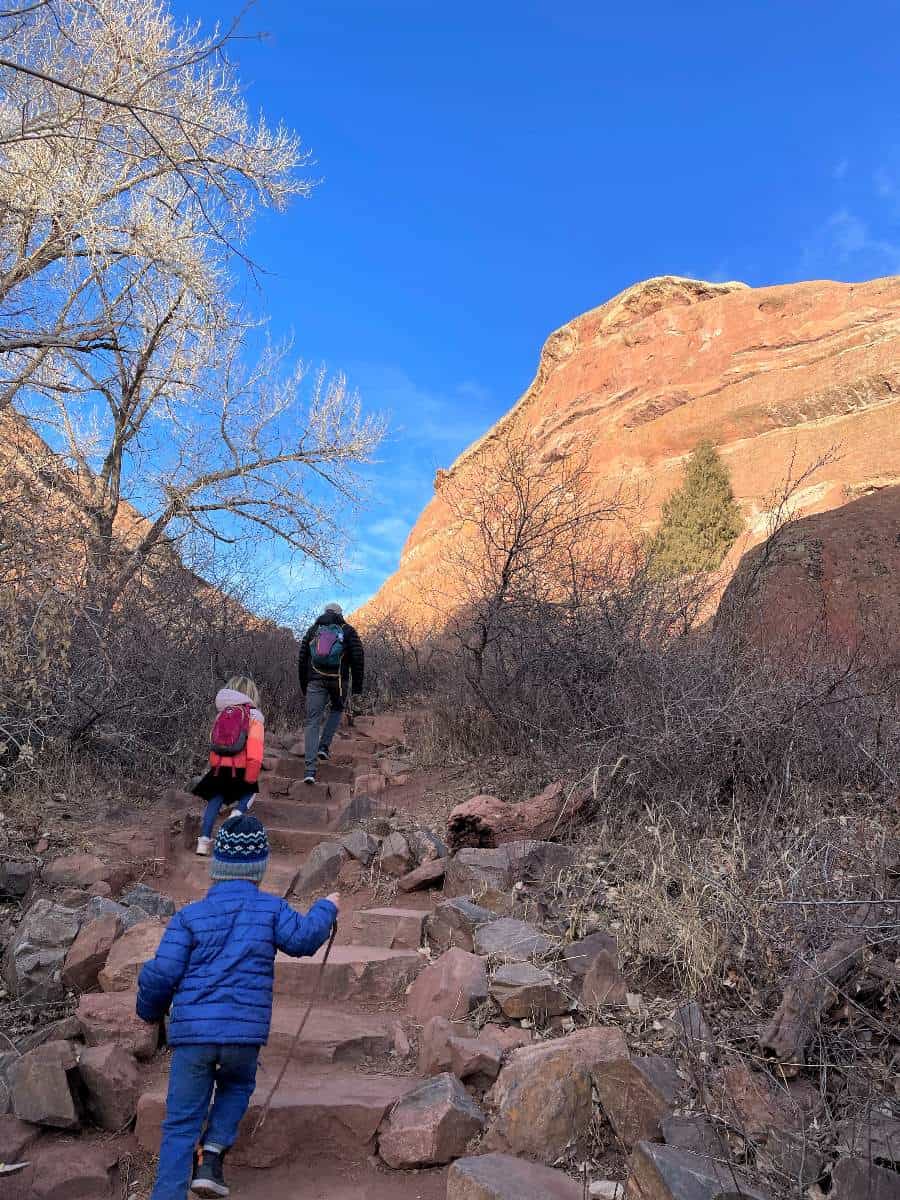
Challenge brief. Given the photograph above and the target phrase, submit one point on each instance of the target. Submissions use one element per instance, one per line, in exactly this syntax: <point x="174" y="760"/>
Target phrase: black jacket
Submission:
<point x="352" y="665"/>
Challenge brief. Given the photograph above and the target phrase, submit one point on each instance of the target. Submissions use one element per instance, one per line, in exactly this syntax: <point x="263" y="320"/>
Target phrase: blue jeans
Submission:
<point x="319" y="696"/>
<point x="215" y="803"/>
<point x="194" y="1072"/>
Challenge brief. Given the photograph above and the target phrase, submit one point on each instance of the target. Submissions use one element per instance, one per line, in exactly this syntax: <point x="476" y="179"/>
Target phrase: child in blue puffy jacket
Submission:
<point x="215" y="967"/>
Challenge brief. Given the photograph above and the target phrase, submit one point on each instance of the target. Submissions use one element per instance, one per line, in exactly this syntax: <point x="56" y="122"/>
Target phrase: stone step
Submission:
<point x="294" y="814"/>
<point x="364" y="973"/>
<point x="326" y="772"/>
<point x="331" y="1035"/>
<point x="393" y="928"/>
<point x="333" y="1114"/>
<point x="189" y="878"/>
<point x="297" y="842"/>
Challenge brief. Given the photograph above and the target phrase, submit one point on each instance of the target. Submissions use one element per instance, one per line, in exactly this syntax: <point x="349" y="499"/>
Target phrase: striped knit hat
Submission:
<point x="241" y="850"/>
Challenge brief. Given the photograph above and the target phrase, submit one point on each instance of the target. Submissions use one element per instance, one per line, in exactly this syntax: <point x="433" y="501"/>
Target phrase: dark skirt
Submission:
<point x="231" y="787"/>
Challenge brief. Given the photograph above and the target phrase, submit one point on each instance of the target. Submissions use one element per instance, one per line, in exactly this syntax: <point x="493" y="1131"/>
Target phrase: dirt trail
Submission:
<point x="353" y="1062"/>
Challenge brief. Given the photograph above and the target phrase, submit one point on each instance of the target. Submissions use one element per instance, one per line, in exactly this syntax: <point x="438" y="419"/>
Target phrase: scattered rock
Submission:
<point x="693" y="1029"/>
<point x="874" y="1137"/>
<point x="543" y="1096"/>
<point x="40" y="1086"/>
<point x="321" y="869"/>
<point x="429" y="874"/>
<point x="637" y="1096"/>
<point x="502" y="1177"/>
<point x="360" y="845"/>
<point x="511" y="940"/>
<point x="142" y="896"/>
<point x="754" y="1104"/>
<point x="100" y="888"/>
<point x="128" y="955"/>
<point x="395" y="856"/>
<point x="16" y="878"/>
<point x="74" y="870"/>
<point x="431" y="1125"/>
<point x="606" y="1189"/>
<point x="471" y="872"/>
<point x="535" y="861"/>
<point x="89" y="952"/>
<point x="792" y="1157"/>
<point x="110" y="1017"/>
<point x="578" y="956"/>
<point x="666" y="1173"/>
<point x="454" y="922"/>
<point x="449" y="1046"/>
<point x="112" y="1083"/>
<point x="696" y="1134"/>
<point x="15" y="1138"/>
<point x="451" y="987"/>
<point x="525" y="991"/>
<point x="603" y="984"/>
<point x="859" y="1179"/>
<point x="64" y="1030"/>
<point x="35" y="957"/>
<point x="393" y="928"/>
<point x="102" y="906"/>
<point x="74" y="1171"/>
<point x="427" y="846"/>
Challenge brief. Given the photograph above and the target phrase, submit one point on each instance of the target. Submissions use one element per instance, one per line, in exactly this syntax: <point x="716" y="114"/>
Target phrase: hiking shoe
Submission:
<point x="203" y="845"/>
<point x="310" y="777"/>
<point x="208" y="1179"/>
<point x="323" y="755"/>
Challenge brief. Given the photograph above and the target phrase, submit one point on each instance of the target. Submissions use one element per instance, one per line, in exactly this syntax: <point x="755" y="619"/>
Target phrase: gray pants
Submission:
<point x="321" y="695"/>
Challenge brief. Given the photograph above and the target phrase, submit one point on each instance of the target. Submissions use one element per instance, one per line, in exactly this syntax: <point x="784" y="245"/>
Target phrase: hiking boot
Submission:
<point x="323" y="755"/>
<point x="310" y="777"/>
<point x="208" y="1179"/>
<point x="203" y="845"/>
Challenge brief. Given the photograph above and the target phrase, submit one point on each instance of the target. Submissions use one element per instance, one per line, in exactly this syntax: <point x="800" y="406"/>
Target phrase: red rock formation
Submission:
<point x="771" y="375"/>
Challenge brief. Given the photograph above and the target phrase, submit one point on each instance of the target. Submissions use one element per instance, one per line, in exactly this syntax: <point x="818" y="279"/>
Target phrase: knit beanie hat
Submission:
<point x="241" y="850"/>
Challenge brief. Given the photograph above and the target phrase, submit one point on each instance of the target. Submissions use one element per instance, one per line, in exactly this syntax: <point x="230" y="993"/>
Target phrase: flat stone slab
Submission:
<point x="394" y="928"/>
<point x="511" y="940"/>
<point x="331" y="1035"/>
<point x="503" y="1177"/>
<point x="666" y="1173"/>
<point x="351" y="973"/>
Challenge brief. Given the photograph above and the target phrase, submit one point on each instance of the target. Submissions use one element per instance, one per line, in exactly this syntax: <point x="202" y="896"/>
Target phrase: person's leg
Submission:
<point x="316" y="699"/>
<point x="245" y="803"/>
<point x="191" y="1077"/>
<point x="334" y="718"/>
<point x="209" y="817"/>
<point x="235" y="1081"/>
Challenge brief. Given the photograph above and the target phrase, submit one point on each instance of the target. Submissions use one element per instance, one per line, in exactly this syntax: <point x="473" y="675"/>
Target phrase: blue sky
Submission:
<point x="491" y="170"/>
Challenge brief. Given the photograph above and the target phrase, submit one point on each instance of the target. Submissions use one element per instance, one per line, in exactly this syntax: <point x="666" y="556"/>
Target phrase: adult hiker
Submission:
<point x="215" y="967"/>
<point x="332" y="664"/>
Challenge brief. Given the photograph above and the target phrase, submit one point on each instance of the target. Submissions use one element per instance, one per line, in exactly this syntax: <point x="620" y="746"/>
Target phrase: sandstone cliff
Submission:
<point x="773" y="376"/>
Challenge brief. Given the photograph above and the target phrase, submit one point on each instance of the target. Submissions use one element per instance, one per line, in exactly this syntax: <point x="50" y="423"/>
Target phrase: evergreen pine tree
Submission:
<point x="700" y="520"/>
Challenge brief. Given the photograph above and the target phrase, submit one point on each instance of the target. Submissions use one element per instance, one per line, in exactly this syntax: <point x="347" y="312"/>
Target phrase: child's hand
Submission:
<point x="335" y="899"/>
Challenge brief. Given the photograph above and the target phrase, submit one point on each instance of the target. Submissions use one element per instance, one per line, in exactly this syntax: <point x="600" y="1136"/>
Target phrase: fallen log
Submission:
<point x="812" y="988"/>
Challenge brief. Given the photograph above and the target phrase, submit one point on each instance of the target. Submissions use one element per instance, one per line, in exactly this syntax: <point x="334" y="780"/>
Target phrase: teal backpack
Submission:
<point x="327" y="649"/>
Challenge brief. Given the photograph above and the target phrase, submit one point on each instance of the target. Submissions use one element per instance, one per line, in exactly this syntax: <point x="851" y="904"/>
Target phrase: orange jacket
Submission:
<point x="249" y="761"/>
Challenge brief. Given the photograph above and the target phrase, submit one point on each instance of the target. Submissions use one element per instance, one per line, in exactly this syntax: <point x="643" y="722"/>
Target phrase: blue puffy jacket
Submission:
<point x="216" y="963"/>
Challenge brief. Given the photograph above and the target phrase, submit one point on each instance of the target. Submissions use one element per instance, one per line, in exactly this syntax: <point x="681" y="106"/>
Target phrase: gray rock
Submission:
<point x="102" y="906"/>
<point x="395" y="856"/>
<point x="431" y="1125"/>
<point x="697" y="1134"/>
<point x="537" y="862"/>
<point x="454" y="922"/>
<point x="693" y="1029"/>
<point x="40" y="1086"/>
<point x="525" y="991"/>
<point x="792" y="1157"/>
<point x="505" y="1177"/>
<point x="68" y="1029"/>
<point x="359" y="808"/>
<point x="16" y="878"/>
<point x="154" y="904"/>
<point x="578" y="956"/>
<point x="873" y="1136"/>
<point x="321" y="868"/>
<point x="511" y="940"/>
<point x="34" y="959"/>
<point x="665" y="1171"/>
<point x="861" y="1179"/>
<point x="360" y="845"/>
<point x="427" y="846"/>
<point x="472" y="871"/>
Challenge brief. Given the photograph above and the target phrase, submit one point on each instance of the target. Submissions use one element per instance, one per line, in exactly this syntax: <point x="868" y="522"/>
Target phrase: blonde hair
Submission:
<point x="243" y="683"/>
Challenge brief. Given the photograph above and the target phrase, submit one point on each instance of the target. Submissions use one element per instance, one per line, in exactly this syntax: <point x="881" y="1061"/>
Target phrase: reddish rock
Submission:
<point x="429" y="875"/>
<point x="525" y="991"/>
<point x="112" y="1083"/>
<point x="754" y="1103"/>
<point x="454" y="922"/>
<point x="73" y="1171"/>
<point x="577" y="957"/>
<point x="40" y="1086"/>
<point x="502" y="1177"/>
<point x="360" y="845"/>
<point x="860" y="1179"/>
<point x="129" y="954"/>
<point x="451" y="987"/>
<point x="89" y="953"/>
<point x="450" y="1046"/>
<point x="542" y="1098"/>
<point x="15" y="1138"/>
<point x="395" y="855"/>
<point x="667" y="1173"/>
<point x="771" y="375"/>
<point x="110" y="1017"/>
<point x="369" y="783"/>
<point x="472" y="872"/>
<point x="507" y="1037"/>
<point x="100" y="888"/>
<point x="74" y="870"/>
<point x="393" y="928"/>
<point x="603" y="983"/>
<point x="485" y="821"/>
<point x="636" y="1096"/>
<point x="431" y="1125"/>
<point x="511" y="941"/>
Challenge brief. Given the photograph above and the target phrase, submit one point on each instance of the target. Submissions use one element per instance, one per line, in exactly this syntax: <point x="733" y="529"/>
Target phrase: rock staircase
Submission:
<point x="349" y="1068"/>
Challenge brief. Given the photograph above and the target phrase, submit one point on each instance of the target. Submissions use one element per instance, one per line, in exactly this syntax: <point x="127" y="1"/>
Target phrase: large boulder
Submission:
<point x="129" y="954"/>
<point x="360" y="845"/>
<point x="474" y="871"/>
<point x="40" y="1086"/>
<point x="542" y="1100"/>
<point x="502" y="1177"/>
<point x="89" y="952"/>
<point x="110" y="1017"/>
<point x="431" y="1125"/>
<point x="112" y="1084"/>
<point x="637" y="1096"/>
<point x="451" y="987"/>
<point x="34" y="959"/>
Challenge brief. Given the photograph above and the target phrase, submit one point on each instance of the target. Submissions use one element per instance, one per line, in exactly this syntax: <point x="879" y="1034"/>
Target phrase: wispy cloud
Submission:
<point x="840" y="169"/>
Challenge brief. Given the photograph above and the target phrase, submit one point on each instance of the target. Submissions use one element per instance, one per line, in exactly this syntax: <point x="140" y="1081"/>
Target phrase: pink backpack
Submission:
<point x="230" y="731"/>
